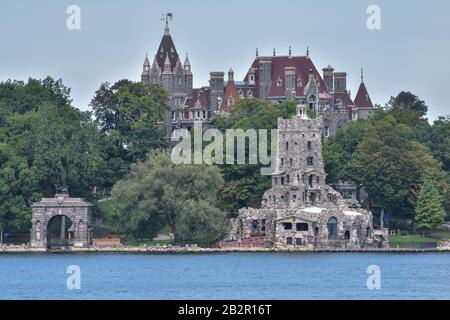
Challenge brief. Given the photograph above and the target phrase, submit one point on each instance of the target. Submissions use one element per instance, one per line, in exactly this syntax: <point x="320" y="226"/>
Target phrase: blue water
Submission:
<point x="226" y="276"/>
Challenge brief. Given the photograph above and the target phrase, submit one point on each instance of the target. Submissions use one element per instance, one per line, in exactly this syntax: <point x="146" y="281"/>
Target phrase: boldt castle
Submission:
<point x="300" y="210"/>
<point x="274" y="78"/>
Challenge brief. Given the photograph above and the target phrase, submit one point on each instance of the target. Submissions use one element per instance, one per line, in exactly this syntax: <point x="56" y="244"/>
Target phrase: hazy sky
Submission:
<point x="410" y="52"/>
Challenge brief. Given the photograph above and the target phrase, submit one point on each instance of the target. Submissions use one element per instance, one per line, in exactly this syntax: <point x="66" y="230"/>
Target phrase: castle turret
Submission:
<point x="189" y="82"/>
<point x="145" y="76"/>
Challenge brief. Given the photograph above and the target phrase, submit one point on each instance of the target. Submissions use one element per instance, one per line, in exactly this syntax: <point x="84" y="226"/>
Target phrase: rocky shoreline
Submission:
<point x="189" y="250"/>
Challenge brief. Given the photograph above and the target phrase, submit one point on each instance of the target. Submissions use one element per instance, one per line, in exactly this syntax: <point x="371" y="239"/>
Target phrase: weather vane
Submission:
<point x="166" y="17"/>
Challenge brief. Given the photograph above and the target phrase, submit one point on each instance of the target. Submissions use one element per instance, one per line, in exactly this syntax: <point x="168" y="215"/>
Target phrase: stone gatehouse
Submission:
<point x="78" y="211"/>
<point x="301" y="210"/>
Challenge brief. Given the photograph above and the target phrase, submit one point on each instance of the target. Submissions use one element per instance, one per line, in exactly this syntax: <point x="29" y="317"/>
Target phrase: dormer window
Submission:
<point x="279" y="82"/>
<point x="230" y="102"/>
<point x="250" y="93"/>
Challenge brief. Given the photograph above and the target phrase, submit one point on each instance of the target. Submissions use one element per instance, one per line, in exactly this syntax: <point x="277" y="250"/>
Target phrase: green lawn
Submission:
<point x="411" y="241"/>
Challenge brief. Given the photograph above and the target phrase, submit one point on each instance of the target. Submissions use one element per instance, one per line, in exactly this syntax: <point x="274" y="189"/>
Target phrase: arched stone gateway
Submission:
<point x="76" y="209"/>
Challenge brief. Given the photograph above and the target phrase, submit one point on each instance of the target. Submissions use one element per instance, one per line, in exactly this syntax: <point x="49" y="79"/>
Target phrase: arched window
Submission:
<point x="332" y="228"/>
<point x="309" y="145"/>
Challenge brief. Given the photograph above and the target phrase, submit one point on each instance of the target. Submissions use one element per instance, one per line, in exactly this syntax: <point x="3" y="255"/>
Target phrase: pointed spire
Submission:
<point x="307" y="51"/>
<point x="274" y="52"/>
<point x="362" y="75"/>
<point x="187" y="65"/>
<point x="231" y="75"/>
<point x="257" y="53"/>
<point x="167" y="64"/>
<point x="146" y="62"/>
<point x="290" y="51"/>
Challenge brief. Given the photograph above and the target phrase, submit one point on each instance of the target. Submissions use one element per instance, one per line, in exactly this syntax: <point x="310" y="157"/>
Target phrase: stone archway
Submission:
<point x="75" y="209"/>
<point x="60" y="232"/>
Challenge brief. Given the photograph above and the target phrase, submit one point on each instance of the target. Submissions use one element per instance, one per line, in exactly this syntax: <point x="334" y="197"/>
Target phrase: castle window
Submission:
<point x="250" y="93"/>
<point x="287" y="226"/>
<point x="327" y="131"/>
<point x="347" y="235"/>
<point x="282" y="181"/>
<point x="279" y="82"/>
<point x="368" y="232"/>
<point x="290" y="161"/>
<point x="255" y="225"/>
<point x="294" y="198"/>
<point x="204" y="115"/>
<point x="302" y="227"/>
<point x="289" y="241"/>
<point x="309" y="145"/>
<point x="288" y="179"/>
<point x="332" y="228"/>
<point x="310" y="161"/>
<point x="282" y="161"/>
<point x="287" y="145"/>
<point x="263" y="225"/>
<point x="298" y="241"/>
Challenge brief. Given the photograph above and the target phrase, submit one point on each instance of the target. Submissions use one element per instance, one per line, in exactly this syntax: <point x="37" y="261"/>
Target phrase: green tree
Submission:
<point x="244" y="185"/>
<point x="129" y="112"/>
<point x="157" y="192"/>
<point x="339" y="149"/>
<point x="439" y="141"/>
<point x="53" y="137"/>
<point x="18" y="189"/>
<point x="429" y="211"/>
<point x="392" y="166"/>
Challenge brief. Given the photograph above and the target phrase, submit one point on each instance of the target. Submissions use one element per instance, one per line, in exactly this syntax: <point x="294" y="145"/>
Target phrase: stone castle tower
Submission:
<point x="301" y="210"/>
<point x="168" y="71"/>
<point x="299" y="180"/>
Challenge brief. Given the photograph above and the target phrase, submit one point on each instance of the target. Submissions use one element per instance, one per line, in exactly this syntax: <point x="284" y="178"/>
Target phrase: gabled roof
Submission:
<point x="167" y="48"/>
<point x="303" y="66"/>
<point x="230" y="92"/>
<point x="362" y="99"/>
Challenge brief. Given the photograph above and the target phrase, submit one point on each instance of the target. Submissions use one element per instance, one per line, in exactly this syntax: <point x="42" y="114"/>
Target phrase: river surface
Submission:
<point x="225" y="276"/>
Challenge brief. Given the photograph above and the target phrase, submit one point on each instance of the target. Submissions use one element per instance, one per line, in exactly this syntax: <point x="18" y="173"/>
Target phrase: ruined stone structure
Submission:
<point x="77" y="210"/>
<point x="275" y="78"/>
<point x="301" y="210"/>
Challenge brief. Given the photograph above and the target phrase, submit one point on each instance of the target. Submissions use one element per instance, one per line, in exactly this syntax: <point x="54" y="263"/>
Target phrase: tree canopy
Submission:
<point x="157" y="193"/>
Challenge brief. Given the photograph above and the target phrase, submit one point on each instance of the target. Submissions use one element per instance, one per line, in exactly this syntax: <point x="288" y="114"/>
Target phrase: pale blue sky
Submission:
<point x="410" y="52"/>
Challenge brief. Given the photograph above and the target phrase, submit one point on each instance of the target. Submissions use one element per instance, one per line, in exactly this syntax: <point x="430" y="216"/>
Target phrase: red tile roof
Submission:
<point x="362" y="99"/>
<point x="199" y="97"/>
<point x="230" y="92"/>
<point x="302" y="64"/>
<point x="344" y="98"/>
<point x="167" y="47"/>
